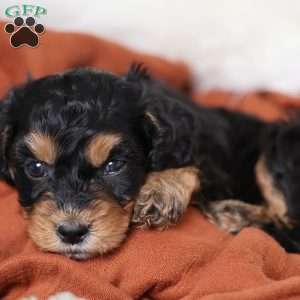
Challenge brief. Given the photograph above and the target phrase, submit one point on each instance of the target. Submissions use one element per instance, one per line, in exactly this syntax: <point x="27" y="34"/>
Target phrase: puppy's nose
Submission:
<point x="72" y="232"/>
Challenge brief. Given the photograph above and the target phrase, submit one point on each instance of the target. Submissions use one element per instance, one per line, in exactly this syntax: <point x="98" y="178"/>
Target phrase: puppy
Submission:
<point x="274" y="159"/>
<point x="90" y="153"/>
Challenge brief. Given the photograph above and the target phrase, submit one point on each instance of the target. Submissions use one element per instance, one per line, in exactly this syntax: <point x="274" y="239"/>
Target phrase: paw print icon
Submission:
<point x="24" y="33"/>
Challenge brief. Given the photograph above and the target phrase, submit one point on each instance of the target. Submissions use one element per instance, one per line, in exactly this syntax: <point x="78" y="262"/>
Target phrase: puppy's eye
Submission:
<point x="36" y="169"/>
<point x="114" y="166"/>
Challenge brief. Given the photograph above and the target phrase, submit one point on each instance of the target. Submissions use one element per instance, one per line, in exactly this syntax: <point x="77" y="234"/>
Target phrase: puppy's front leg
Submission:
<point x="165" y="196"/>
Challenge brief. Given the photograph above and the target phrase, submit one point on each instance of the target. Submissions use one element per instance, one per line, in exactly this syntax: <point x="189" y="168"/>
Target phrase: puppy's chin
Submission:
<point x="108" y="226"/>
<point x="79" y="255"/>
<point x="80" y="252"/>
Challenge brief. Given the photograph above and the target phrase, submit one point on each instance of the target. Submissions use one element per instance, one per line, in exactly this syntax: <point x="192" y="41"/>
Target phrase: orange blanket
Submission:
<point x="193" y="260"/>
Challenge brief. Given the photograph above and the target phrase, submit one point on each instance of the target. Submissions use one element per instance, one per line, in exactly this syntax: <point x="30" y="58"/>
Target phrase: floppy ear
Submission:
<point x="164" y="126"/>
<point x="157" y="133"/>
<point x="167" y="141"/>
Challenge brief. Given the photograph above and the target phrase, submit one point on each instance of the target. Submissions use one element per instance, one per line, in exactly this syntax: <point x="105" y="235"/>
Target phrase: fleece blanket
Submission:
<point x="193" y="260"/>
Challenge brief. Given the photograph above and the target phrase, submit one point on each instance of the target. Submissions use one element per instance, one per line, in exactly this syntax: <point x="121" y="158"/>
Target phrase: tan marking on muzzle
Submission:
<point x="108" y="223"/>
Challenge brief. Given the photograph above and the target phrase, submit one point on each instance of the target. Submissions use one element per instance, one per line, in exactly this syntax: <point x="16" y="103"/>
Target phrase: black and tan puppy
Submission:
<point x="86" y="148"/>
<point x="278" y="175"/>
<point x="272" y="157"/>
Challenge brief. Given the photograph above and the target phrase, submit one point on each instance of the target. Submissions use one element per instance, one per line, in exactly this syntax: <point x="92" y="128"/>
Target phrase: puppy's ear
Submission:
<point x="154" y="133"/>
<point x="164" y="126"/>
<point x="167" y="142"/>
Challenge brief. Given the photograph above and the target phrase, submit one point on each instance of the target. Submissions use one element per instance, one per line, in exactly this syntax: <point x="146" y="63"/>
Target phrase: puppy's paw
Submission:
<point x="234" y="215"/>
<point x="165" y="196"/>
<point x="157" y="209"/>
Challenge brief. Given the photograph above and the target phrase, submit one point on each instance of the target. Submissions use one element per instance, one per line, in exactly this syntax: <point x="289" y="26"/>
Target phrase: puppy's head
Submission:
<point x="73" y="146"/>
<point x="281" y="152"/>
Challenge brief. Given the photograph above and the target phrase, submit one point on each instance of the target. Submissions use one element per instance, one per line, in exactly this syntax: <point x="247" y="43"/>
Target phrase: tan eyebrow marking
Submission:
<point x="98" y="149"/>
<point x="43" y="146"/>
